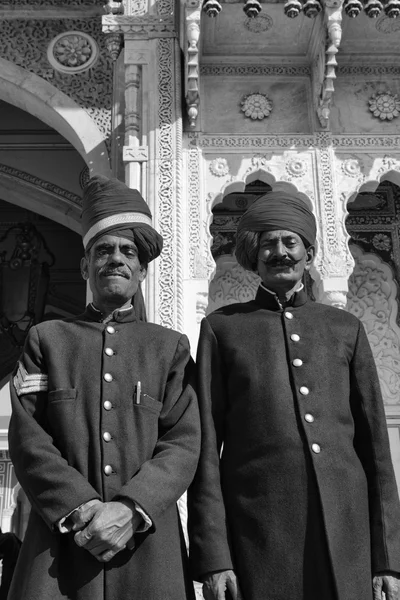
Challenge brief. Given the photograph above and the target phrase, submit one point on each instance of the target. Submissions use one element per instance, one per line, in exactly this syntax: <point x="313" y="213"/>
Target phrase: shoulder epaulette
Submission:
<point x="25" y="383"/>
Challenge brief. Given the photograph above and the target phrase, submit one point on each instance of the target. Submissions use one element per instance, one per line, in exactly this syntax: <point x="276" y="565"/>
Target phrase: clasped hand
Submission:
<point x="104" y="528"/>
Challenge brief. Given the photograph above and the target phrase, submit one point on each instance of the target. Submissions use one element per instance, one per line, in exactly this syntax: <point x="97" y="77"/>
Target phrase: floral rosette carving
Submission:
<point x="295" y="167"/>
<point x="72" y="52"/>
<point x="381" y="241"/>
<point x="351" y="167"/>
<point x="385" y="106"/>
<point x="256" y="106"/>
<point x="219" y="167"/>
<point x="260" y="24"/>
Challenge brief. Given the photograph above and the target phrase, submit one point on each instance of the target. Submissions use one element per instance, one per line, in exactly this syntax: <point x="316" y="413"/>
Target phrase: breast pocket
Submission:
<point x="148" y="403"/>
<point x="62" y="395"/>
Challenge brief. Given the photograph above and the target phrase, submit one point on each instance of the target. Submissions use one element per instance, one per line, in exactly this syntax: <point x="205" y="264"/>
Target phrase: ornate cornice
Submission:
<point x="374" y="70"/>
<point x="140" y="27"/>
<point x="288" y="141"/>
<point x="41" y="183"/>
<point x="251" y="70"/>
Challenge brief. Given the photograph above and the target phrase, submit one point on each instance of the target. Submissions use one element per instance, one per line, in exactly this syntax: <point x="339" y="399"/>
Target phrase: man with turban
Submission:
<point x="105" y="431"/>
<point x="295" y="496"/>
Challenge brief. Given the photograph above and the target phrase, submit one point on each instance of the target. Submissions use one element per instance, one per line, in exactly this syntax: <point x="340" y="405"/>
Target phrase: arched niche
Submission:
<point x="231" y="283"/>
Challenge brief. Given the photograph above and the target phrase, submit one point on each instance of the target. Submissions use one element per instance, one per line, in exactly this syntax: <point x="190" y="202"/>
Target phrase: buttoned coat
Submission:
<point x="305" y="485"/>
<point x="88" y="371"/>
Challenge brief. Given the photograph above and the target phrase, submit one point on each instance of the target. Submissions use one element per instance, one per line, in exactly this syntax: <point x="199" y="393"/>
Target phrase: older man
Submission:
<point x="105" y="431"/>
<point x="295" y="496"/>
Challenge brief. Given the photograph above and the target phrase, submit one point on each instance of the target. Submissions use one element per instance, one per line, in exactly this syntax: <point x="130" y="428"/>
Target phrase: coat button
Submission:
<point x="110" y="329"/>
<point x="108" y="377"/>
<point x="304" y="390"/>
<point x="297" y="362"/>
<point x="107" y="405"/>
<point x="108" y="469"/>
<point x="309" y="418"/>
<point x="109" y="351"/>
<point x="294" y="337"/>
<point x="316" y="448"/>
<point x="107" y="436"/>
<point x="288" y="315"/>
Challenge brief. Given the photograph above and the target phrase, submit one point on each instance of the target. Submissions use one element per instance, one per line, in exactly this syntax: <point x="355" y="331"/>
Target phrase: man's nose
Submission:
<point x="116" y="257"/>
<point x="280" y="250"/>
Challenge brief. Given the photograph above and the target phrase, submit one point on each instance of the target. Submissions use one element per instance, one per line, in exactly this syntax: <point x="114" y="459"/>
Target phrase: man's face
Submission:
<point x="113" y="269"/>
<point x="282" y="259"/>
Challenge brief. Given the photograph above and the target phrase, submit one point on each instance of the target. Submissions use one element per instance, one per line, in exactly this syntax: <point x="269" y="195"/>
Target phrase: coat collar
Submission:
<point x="269" y="300"/>
<point x="125" y="315"/>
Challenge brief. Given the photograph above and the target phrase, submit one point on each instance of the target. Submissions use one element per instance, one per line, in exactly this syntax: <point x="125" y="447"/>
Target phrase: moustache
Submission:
<point x="108" y="272"/>
<point x="280" y="263"/>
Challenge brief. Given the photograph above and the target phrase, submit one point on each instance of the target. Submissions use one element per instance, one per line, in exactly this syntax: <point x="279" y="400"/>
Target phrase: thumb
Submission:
<point x="83" y="537"/>
<point x="84" y="514"/>
<point x="377" y="588"/>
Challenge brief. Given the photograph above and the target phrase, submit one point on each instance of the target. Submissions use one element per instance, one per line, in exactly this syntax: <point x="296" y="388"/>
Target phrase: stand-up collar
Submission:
<point x="269" y="300"/>
<point x="123" y="315"/>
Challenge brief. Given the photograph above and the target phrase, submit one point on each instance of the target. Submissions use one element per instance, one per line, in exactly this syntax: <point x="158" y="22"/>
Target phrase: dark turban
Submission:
<point x="273" y="211"/>
<point x="111" y="207"/>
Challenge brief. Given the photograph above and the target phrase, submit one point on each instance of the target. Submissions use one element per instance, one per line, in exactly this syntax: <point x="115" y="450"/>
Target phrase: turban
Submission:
<point x="111" y="207"/>
<point x="271" y="212"/>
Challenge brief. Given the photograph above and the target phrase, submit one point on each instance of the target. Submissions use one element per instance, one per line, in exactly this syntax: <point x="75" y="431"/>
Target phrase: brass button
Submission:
<point x="107" y="436"/>
<point x="109" y="351"/>
<point x="108" y="377"/>
<point x="288" y="315"/>
<point x="297" y="362"/>
<point x="304" y="390"/>
<point x="110" y="329"/>
<point x="294" y="337"/>
<point x="108" y="469"/>
<point x="316" y="448"/>
<point x="309" y="418"/>
<point x="107" y="405"/>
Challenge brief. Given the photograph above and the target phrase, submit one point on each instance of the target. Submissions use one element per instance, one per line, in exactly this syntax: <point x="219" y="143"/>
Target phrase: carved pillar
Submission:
<point x="133" y="154"/>
<point x="334" y="261"/>
<point x="153" y="142"/>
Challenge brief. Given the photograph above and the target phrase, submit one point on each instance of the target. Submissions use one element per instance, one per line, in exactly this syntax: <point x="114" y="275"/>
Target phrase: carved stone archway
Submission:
<point x="46" y="199"/>
<point x="230" y="282"/>
<point x="33" y="94"/>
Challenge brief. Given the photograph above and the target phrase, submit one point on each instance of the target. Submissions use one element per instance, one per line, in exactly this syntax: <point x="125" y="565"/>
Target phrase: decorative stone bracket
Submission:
<point x="326" y="70"/>
<point x="192" y="71"/>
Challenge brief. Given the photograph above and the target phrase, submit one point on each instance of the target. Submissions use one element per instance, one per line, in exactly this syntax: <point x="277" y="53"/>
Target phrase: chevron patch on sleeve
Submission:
<point x="29" y="384"/>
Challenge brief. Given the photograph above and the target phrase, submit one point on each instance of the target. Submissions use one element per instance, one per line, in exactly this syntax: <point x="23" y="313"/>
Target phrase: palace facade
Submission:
<point x="202" y="106"/>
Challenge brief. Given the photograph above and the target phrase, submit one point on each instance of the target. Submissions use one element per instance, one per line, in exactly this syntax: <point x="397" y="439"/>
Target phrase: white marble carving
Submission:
<point x="372" y="298"/>
<point x="296" y="167"/>
<point x="231" y="284"/>
<point x="256" y="106"/>
<point x="260" y="24"/>
<point x="219" y="167"/>
<point x="72" y="52"/>
<point x="385" y="106"/>
<point x="352" y="168"/>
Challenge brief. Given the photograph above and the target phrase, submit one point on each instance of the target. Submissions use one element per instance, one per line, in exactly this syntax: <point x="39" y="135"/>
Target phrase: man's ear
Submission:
<point x="310" y="255"/>
<point x="84" y="268"/>
<point x="142" y="273"/>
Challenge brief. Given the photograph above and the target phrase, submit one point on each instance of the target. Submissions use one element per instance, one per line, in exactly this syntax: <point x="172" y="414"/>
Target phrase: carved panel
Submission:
<point x="231" y="284"/>
<point x="25" y="44"/>
<point x="166" y="183"/>
<point x="372" y="298"/>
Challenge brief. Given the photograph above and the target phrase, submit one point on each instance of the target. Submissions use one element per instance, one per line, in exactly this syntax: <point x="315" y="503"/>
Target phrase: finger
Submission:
<point x="208" y="593"/>
<point x="107" y="556"/>
<point x="377" y="588"/>
<point x="232" y="587"/>
<point x="83" y="537"/>
<point x="392" y="590"/>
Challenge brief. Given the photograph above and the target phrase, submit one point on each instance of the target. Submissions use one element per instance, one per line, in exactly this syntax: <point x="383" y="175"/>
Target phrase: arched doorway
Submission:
<point x="41" y="178"/>
<point x="373" y="225"/>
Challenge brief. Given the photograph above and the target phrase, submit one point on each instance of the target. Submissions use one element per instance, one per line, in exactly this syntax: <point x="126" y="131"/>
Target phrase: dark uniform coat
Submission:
<point x="303" y="503"/>
<point x="62" y="457"/>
